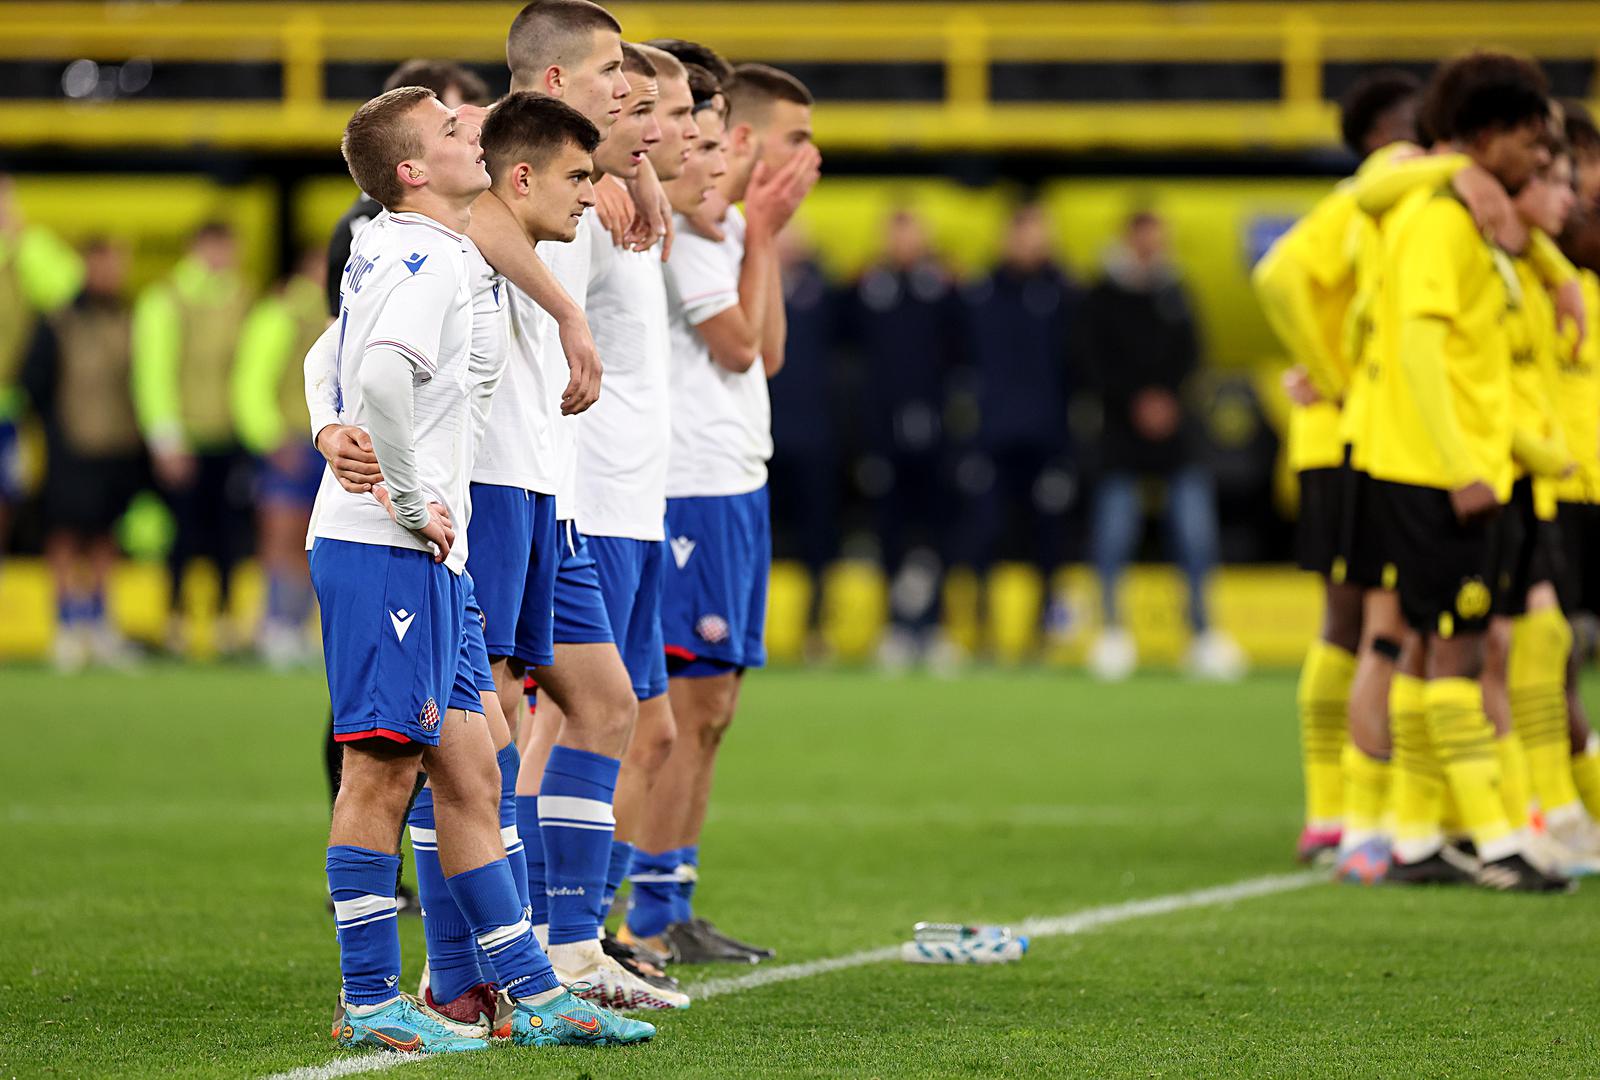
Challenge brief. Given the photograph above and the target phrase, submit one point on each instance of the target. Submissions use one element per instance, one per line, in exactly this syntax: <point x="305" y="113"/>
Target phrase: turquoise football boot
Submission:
<point x="568" y="1020"/>
<point x="401" y="1024"/>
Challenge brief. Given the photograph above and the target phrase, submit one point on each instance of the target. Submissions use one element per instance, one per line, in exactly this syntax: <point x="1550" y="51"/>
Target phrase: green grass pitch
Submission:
<point x="161" y="893"/>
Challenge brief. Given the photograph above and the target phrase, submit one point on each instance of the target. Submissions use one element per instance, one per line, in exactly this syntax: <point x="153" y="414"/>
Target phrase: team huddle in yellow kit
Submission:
<point x="1440" y="309"/>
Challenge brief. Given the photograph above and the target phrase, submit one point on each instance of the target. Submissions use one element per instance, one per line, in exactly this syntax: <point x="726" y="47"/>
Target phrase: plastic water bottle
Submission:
<point x="950" y="933"/>
<point x="969" y="951"/>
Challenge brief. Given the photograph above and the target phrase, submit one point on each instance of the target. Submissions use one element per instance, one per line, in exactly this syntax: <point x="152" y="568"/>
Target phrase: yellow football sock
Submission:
<point x="1417" y="784"/>
<point x="1540" y="643"/>
<point x="1514" y="783"/>
<point x="1323" y="700"/>
<point x="1464" y="741"/>
<point x="1366" y="796"/>
<point x="1586" y="778"/>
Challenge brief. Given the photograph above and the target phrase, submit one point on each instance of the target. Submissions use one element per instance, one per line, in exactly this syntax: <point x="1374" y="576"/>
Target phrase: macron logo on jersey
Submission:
<point x="414" y="263"/>
<point x="682" y="548"/>
<point x="402" y="622"/>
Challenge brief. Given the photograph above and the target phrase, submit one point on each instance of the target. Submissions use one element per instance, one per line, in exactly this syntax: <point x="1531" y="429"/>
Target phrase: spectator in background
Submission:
<point x="1018" y="318"/>
<point x="185" y="335"/>
<point x="908" y="324"/>
<point x="269" y="412"/>
<point x="1139" y="349"/>
<point x="38" y="274"/>
<point x="77" y="377"/>
<point x="456" y="85"/>
<point x="805" y="461"/>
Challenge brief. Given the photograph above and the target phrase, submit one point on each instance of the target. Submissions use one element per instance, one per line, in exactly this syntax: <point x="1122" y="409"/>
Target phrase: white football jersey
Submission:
<point x="518" y="447"/>
<point x="408" y="288"/>
<point x="571" y="264"/>
<point x="491" y="344"/>
<point x="623" y="438"/>
<point x="721" y="420"/>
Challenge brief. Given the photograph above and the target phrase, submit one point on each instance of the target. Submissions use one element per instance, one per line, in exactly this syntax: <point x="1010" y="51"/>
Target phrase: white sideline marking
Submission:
<point x="1056" y="926"/>
<point x="1077" y="922"/>
<point x="349" y="1066"/>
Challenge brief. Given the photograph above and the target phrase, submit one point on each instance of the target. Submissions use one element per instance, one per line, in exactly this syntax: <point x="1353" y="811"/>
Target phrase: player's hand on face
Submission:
<point x="439" y="531"/>
<point x="775" y="194"/>
<point x="583" y="361"/>
<point x="175" y="469"/>
<point x="1491" y="208"/>
<point x="1476" y="500"/>
<point x="614" y="207"/>
<point x="1298" y="385"/>
<point x="348" y="451"/>
<point x="1570" y="313"/>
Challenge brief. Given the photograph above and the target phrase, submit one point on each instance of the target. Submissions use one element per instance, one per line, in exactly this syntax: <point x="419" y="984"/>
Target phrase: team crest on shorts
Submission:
<point x="429" y="717"/>
<point x="712" y="629"/>
<point x="1473" y="601"/>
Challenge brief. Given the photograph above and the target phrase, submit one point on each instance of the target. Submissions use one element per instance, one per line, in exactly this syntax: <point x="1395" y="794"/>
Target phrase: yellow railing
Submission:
<point x="965" y="39"/>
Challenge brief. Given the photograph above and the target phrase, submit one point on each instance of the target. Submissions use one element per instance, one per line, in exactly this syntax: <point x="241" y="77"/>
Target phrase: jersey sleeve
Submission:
<point x="704" y="276"/>
<point x="412" y="319"/>
<point x="1384" y="180"/>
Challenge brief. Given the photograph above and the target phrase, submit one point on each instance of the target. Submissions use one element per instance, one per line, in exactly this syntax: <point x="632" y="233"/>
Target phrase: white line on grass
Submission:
<point x="349" y="1066"/>
<point x="1076" y="922"/>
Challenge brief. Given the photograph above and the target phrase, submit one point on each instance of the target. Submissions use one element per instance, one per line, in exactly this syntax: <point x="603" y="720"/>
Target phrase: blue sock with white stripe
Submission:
<point x="533" y="856"/>
<point x="576" y="820"/>
<point x="453" y="966"/>
<point x="616" y="874"/>
<point x="488" y="898"/>
<point x="361" y="883"/>
<point x="510" y="764"/>
<point x="688" y="878"/>
<point x="654" y="877"/>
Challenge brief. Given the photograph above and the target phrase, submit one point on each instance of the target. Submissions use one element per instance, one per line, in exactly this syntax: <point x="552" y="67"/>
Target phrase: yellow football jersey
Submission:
<point x="1531" y="335"/>
<point x="1437" y="266"/>
<point x="1310" y="321"/>
<point x="1577" y="398"/>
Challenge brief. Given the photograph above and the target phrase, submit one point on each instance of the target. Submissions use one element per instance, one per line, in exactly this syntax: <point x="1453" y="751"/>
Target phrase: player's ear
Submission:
<point x="411" y="174"/>
<point x="522" y="178"/>
<point x="554" y="80"/>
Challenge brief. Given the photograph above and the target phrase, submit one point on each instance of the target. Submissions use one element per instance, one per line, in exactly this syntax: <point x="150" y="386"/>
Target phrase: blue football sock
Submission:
<point x="361" y="883"/>
<point x="533" y="857"/>
<point x="576" y="820"/>
<point x="453" y="966"/>
<point x="688" y="878"/>
<point x="510" y="764"/>
<point x="654" y="877"/>
<point x="488" y="898"/>
<point x="616" y="874"/>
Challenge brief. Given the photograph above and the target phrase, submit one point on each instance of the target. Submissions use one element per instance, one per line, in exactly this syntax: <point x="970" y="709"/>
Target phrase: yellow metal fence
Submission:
<point x="965" y="39"/>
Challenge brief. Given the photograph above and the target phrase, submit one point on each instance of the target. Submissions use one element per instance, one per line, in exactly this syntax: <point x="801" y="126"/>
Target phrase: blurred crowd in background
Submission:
<point x="925" y="421"/>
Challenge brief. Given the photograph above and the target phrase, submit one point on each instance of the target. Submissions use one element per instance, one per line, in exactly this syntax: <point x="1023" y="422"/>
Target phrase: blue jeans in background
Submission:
<point x="1191" y="522"/>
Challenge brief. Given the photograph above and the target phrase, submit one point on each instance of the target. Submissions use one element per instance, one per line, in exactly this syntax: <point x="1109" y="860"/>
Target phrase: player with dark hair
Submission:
<point x="1305" y="284"/>
<point x="1440" y="451"/>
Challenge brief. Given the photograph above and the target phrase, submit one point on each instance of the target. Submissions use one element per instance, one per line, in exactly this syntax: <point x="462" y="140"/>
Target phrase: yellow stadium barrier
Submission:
<point x="1272" y="611"/>
<point x="964" y="39"/>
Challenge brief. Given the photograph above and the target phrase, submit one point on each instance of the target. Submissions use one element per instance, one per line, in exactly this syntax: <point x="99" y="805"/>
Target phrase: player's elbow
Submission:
<point x="737" y="357"/>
